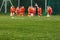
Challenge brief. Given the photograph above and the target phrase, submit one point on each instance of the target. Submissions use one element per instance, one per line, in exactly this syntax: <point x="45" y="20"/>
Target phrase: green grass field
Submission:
<point x="29" y="28"/>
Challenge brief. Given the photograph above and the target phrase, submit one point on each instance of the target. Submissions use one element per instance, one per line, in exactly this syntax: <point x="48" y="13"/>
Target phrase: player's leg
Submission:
<point x="48" y="15"/>
<point x="39" y="14"/>
<point x="29" y="13"/>
<point x="22" y="14"/>
<point x="11" y="14"/>
<point x="32" y="14"/>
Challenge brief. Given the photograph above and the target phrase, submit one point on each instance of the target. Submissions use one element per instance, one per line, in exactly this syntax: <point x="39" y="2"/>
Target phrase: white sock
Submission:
<point x="10" y="14"/>
<point x="48" y="15"/>
<point x="31" y="14"/>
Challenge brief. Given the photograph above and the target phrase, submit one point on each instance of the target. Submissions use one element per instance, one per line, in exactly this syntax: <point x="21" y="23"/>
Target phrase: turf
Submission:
<point x="29" y="28"/>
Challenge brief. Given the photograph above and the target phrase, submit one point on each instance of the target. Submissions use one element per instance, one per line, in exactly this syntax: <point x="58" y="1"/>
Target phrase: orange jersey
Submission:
<point x="49" y="10"/>
<point x="39" y="10"/>
<point x="17" y="10"/>
<point x="34" y="10"/>
<point x="22" y="10"/>
<point x="12" y="9"/>
<point x="31" y="10"/>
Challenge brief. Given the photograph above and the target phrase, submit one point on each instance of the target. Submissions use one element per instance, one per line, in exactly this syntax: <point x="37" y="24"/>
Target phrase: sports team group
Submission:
<point x="31" y="11"/>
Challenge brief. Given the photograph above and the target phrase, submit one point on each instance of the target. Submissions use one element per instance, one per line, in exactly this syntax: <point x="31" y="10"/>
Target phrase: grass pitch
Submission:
<point x="29" y="28"/>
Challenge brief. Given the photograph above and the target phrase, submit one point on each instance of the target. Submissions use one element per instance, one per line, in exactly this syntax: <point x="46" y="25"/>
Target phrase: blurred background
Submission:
<point x="55" y="4"/>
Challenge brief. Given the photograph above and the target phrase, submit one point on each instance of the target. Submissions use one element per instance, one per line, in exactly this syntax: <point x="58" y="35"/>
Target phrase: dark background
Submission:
<point x="55" y="4"/>
<point x="25" y="3"/>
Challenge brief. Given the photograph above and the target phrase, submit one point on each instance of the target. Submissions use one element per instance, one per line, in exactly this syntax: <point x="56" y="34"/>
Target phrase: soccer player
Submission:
<point x="36" y="6"/>
<point x="31" y="11"/>
<point x="12" y="10"/>
<point x="49" y="11"/>
<point x="39" y="10"/>
<point x="22" y="10"/>
<point x="17" y="11"/>
<point x="34" y="11"/>
<point x="29" y="8"/>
